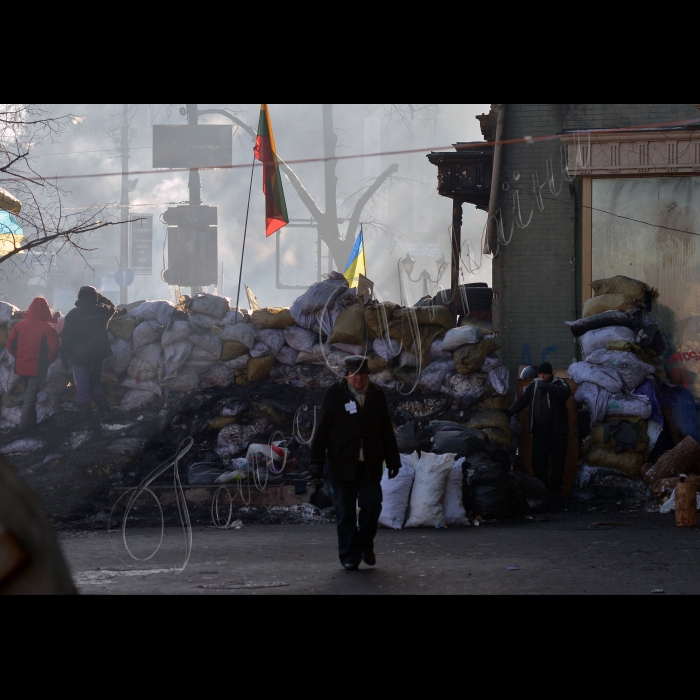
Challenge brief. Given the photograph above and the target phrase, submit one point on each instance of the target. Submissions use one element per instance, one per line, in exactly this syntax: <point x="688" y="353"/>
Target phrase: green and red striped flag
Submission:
<point x="275" y="206"/>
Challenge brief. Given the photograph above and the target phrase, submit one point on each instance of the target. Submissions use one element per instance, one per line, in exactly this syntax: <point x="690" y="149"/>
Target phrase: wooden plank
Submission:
<point x="587" y="241"/>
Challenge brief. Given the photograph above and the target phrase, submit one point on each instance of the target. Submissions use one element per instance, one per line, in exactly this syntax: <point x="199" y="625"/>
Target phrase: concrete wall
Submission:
<point x="533" y="275"/>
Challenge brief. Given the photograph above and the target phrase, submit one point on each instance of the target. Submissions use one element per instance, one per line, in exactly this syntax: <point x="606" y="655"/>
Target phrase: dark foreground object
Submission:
<point x="610" y="552"/>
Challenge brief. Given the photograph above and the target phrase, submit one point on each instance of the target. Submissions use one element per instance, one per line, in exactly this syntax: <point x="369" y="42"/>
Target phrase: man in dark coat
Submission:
<point x="356" y="437"/>
<point x="85" y="345"/>
<point x="34" y="345"/>
<point x="549" y="424"/>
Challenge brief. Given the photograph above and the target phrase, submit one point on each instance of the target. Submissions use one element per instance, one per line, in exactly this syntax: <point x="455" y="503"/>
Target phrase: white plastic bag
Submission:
<point x="147" y="333"/>
<point x="396" y="495"/>
<point x="207" y="343"/>
<point x="287" y="355"/>
<point x="260" y="350"/>
<point x="161" y="311"/>
<point x="428" y="487"/>
<point x="176" y="332"/>
<point x="184" y="381"/>
<point x="220" y="375"/>
<point x="595" y="398"/>
<point x="499" y="378"/>
<point x="670" y="505"/>
<point x="6" y="311"/>
<point x="240" y="362"/>
<point x="210" y="305"/>
<point x="452" y="501"/>
<point x="8" y="379"/>
<point x="274" y="339"/>
<point x="491" y="362"/>
<point x="629" y="405"/>
<point x="151" y="353"/>
<point x="319" y="296"/>
<point x="433" y="376"/>
<point x="137" y="398"/>
<point x="203" y="322"/>
<point x="605" y="377"/>
<point x="456" y="337"/>
<point x="120" y="359"/>
<point x="599" y="338"/>
<point x="176" y="354"/>
<point x="387" y="348"/>
<point x="300" y="339"/>
<point x="242" y="332"/>
<point x="141" y="371"/>
<point x="632" y="370"/>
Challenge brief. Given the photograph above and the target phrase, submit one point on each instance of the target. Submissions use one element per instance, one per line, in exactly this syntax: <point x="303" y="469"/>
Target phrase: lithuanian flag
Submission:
<point x="275" y="207"/>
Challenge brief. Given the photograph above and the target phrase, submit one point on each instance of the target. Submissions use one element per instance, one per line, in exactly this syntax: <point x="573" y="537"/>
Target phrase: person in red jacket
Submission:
<point x="34" y="344"/>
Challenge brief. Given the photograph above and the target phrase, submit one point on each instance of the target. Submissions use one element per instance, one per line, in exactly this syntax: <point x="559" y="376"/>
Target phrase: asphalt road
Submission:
<point x="591" y="553"/>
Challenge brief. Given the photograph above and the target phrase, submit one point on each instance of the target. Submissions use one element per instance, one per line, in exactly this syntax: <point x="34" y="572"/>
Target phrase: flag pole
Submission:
<point x="245" y="231"/>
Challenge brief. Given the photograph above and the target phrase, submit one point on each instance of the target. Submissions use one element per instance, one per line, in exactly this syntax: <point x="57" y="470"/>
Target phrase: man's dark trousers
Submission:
<point x="544" y="445"/>
<point x="348" y="495"/>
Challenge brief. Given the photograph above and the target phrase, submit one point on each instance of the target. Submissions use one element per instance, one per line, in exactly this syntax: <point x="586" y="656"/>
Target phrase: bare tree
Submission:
<point x="43" y="219"/>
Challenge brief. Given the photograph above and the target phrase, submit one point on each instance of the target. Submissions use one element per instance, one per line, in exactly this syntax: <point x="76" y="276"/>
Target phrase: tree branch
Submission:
<point x="368" y="194"/>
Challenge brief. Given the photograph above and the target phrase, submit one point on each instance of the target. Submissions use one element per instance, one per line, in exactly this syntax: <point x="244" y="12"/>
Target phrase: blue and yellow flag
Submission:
<point x="356" y="262"/>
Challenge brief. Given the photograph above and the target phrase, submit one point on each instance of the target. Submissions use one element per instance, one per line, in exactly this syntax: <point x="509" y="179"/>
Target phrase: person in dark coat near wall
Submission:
<point x="85" y="345"/>
<point x="355" y="436"/>
<point x="549" y="424"/>
<point x="34" y="344"/>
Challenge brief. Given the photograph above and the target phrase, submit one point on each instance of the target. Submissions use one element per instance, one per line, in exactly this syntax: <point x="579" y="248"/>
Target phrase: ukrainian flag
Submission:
<point x="356" y="262"/>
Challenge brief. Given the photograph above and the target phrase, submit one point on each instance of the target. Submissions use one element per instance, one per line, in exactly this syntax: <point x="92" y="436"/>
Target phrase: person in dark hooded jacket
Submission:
<point x="85" y="345"/>
<point x="34" y="344"/>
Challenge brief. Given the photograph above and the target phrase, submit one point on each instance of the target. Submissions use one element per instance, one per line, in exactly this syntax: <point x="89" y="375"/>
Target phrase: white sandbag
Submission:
<point x="197" y="366"/>
<point x="6" y="311"/>
<point x="456" y="337"/>
<point x="428" y="488"/>
<point x="605" y="377"/>
<point x="140" y="371"/>
<point x="57" y="378"/>
<point x="491" y="362"/>
<point x="274" y="339"/>
<point x="210" y="305"/>
<point x="152" y="354"/>
<point x="407" y="359"/>
<point x="136" y="398"/>
<point x="120" y="359"/>
<point x="147" y="333"/>
<point x="595" y="398"/>
<point x="306" y="309"/>
<point x="220" y="375"/>
<point x="239" y="363"/>
<point x="600" y="337"/>
<point x="632" y="370"/>
<point x="300" y="339"/>
<point x="207" y="343"/>
<point x="499" y="379"/>
<point x="433" y="376"/>
<point x="46" y="406"/>
<point x="452" y="499"/>
<point x="203" y="322"/>
<point x="231" y="315"/>
<point x="161" y="311"/>
<point x="352" y="349"/>
<point x="260" y="350"/>
<point x="387" y="348"/>
<point x="176" y="354"/>
<point x="287" y="355"/>
<point x="436" y="352"/>
<point x="8" y="379"/>
<point x="148" y="385"/>
<point x="396" y="495"/>
<point x="12" y="415"/>
<point x="242" y="332"/>
<point x="467" y="388"/>
<point x="183" y="382"/>
<point x="629" y="405"/>
<point x="176" y="332"/>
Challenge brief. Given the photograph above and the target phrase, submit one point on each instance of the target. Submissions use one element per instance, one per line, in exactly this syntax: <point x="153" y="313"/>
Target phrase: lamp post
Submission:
<point x="409" y="263"/>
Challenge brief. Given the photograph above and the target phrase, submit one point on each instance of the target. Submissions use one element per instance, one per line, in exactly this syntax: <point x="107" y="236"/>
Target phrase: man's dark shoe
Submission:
<point x="351" y="565"/>
<point x="369" y="558"/>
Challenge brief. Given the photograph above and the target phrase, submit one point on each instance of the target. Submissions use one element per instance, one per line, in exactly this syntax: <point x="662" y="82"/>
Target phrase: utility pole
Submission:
<point x="124" y="204"/>
<point x="195" y="182"/>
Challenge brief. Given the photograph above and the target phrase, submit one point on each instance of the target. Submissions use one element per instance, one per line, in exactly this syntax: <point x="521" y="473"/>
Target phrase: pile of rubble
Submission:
<point x="636" y="413"/>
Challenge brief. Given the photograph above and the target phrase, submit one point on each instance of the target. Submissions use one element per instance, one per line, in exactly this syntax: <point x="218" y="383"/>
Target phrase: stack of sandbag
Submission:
<point x="618" y="379"/>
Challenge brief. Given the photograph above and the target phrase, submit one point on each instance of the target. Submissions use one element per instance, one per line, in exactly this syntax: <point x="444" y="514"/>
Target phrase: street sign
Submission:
<point x="192" y="145"/>
<point x="142" y="245"/>
<point x="124" y="277"/>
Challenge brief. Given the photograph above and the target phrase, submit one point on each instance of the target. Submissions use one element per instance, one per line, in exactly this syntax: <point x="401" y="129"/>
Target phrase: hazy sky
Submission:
<point x="409" y="207"/>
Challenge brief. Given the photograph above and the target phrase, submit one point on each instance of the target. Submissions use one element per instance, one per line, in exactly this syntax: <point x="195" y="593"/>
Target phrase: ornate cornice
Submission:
<point x="625" y="152"/>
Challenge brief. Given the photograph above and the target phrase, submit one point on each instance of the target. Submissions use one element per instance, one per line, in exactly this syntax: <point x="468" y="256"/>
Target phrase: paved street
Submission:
<point x="592" y="553"/>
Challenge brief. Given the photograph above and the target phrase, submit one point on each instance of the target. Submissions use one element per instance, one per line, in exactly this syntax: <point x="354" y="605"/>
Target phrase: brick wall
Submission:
<point x="533" y="274"/>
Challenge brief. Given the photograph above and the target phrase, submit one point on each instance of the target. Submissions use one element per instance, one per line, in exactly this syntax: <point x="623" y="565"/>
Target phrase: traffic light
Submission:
<point x="192" y="246"/>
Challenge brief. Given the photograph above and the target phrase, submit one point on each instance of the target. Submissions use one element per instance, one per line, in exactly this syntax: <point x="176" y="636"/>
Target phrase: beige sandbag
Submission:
<point x="232" y="349"/>
<point x="486" y="327"/>
<point x="4" y="334"/>
<point x="278" y="318"/>
<point x="627" y="462"/>
<point x="493" y="402"/>
<point x="469" y="358"/>
<point x="642" y="446"/>
<point x="500" y="438"/>
<point x="350" y="326"/>
<point x="608" y="302"/>
<point x="259" y="368"/>
<point x="427" y="315"/>
<point x="122" y="327"/>
<point x="489" y="419"/>
<point x="622" y="346"/>
<point x="376" y="363"/>
<point x="377" y="317"/>
<point x="622" y="285"/>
